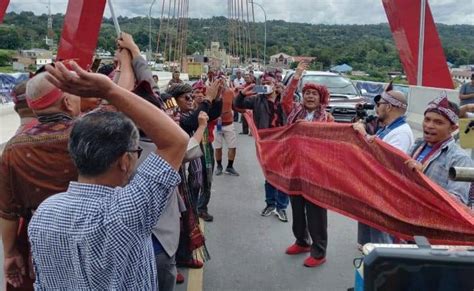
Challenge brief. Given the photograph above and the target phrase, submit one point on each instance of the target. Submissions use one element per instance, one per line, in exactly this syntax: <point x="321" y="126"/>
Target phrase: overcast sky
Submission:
<point x="312" y="11"/>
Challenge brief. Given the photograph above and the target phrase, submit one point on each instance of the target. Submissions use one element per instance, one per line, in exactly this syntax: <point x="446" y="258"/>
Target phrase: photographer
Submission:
<point x="267" y="113"/>
<point x="391" y="107"/>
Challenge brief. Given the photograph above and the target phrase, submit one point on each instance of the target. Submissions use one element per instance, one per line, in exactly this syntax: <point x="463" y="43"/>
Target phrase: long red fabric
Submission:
<point x="81" y="31"/>
<point x="336" y="168"/>
<point x="404" y="19"/>
<point x="3" y="8"/>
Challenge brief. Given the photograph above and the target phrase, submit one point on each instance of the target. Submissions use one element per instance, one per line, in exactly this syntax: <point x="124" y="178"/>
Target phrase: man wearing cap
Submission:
<point x="391" y="107"/>
<point x="35" y="165"/>
<point x="187" y="117"/>
<point x="207" y="159"/>
<point x="267" y="113"/>
<point x="466" y="93"/>
<point x="437" y="151"/>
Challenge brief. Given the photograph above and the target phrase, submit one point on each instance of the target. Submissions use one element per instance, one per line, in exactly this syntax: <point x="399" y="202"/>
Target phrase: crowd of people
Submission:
<point x="103" y="184"/>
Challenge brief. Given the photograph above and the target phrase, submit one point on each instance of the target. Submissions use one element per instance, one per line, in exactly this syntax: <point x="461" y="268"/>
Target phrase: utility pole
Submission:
<point x="265" y="37"/>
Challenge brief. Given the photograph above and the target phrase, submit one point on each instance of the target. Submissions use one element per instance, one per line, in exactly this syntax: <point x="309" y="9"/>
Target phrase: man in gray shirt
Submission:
<point x="466" y="93"/>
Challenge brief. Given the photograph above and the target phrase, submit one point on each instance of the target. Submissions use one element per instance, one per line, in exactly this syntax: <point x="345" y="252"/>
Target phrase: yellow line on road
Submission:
<point x="196" y="276"/>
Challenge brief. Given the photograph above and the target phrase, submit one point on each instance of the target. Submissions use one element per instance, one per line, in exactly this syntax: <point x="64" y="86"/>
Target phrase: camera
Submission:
<point x="263" y="89"/>
<point x="361" y="111"/>
<point x="364" y="106"/>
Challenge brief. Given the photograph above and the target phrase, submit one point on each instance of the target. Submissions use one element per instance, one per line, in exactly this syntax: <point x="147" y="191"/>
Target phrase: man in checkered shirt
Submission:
<point x="97" y="234"/>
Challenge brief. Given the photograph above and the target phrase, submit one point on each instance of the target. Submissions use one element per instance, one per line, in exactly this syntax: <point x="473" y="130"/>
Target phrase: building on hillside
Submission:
<point x="281" y="60"/>
<point x="217" y="57"/>
<point x="32" y="58"/>
<point x="359" y="73"/>
<point x="461" y="75"/>
<point x="341" y="69"/>
<point x="467" y="67"/>
<point x="284" y="61"/>
<point x="303" y="59"/>
<point x="396" y="74"/>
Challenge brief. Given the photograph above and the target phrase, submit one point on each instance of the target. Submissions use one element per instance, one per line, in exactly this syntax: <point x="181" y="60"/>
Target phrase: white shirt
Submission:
<point x="309" y="116"/>
<point x="239" y="82"/>
<point x="401" y="137"/>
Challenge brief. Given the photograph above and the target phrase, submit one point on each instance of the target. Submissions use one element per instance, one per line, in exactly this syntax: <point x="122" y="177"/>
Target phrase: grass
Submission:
<point x="6" y="69"/>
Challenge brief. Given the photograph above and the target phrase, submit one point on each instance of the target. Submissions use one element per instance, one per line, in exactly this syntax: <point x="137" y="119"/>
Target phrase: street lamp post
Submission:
<point x="265" y="37"/>
<point x="149" y="31"/>
<point x="421" y="43"/>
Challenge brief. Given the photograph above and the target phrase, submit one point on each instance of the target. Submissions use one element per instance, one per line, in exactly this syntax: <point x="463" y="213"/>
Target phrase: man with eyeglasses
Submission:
<point x="97" y="234"/>
<point x="391" y="107"/>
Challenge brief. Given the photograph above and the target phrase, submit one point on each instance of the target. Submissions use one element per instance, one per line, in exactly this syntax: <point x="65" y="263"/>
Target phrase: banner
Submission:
<point x="3" y="8"/>
<point x="336" y="168"/>
<point x="404" y="19"/>
<point x="81" y="31"/>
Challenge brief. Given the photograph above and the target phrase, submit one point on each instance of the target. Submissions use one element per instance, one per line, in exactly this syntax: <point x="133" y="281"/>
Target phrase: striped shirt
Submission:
<point x="94" y="237"/>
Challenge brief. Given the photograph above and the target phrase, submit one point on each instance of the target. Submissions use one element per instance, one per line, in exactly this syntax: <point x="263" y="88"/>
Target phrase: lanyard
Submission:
<point x="381" y="133"/>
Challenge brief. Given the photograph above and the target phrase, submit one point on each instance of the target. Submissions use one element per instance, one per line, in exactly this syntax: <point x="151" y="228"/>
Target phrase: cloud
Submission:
<point x="308" y="11"/>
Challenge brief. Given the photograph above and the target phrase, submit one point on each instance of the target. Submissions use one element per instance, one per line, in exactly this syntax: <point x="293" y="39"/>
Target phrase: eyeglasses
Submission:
<point x="139" y="151"/>
<point x="380" y="103"/>
<point x="188" y="97"/>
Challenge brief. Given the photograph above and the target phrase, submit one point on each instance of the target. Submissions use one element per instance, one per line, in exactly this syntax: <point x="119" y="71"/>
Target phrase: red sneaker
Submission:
<point x="179" y="278"/>
<point x="193" y="264"/>
<point x="311" y="262"/>
<point x="295" y="249"/>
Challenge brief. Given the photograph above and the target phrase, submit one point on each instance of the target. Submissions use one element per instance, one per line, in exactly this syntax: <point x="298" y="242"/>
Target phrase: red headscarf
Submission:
<point x="322" y="90"/>
<point x="199" y="85"/>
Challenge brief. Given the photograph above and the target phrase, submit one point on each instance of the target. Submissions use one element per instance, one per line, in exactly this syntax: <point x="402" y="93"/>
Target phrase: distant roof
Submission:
<point x="303" y="58"/>
<point x="341" y="68"/>
<point x="40" y="50"/>
<point x="281" y="54"/>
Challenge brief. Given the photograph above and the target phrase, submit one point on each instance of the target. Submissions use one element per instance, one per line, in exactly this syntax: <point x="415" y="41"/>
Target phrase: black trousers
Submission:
<point x="310" y="220"/>
<point x="245" y="125"/>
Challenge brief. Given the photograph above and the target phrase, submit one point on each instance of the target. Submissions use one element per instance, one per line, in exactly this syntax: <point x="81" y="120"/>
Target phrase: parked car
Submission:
<point x="344" y="95"/>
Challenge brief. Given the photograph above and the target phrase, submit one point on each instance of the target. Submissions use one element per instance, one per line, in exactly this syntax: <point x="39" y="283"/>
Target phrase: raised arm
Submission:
<point x="169" y="138"/>
<point x="463" y="110"/>
<point x="288" y="96"/>
<point x="210" y="105"/>
<point x="139" y="64"/>
<point x="244" y="98"/>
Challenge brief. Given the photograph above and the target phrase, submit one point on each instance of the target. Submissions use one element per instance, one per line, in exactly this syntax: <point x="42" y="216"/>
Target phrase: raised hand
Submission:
<point x="78" y="82"/>
<point x="302" y="66"/>
<point x="248" y="91"/>
<point x="126" y="41"/>
<point x="360" y="127"/>
<point x="213" y="90"/>
<point x="203" y="118"/>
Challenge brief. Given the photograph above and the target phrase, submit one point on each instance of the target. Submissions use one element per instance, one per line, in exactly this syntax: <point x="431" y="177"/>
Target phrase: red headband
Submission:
<point x="322" y="90"/>
<point x="45" y="100"/>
